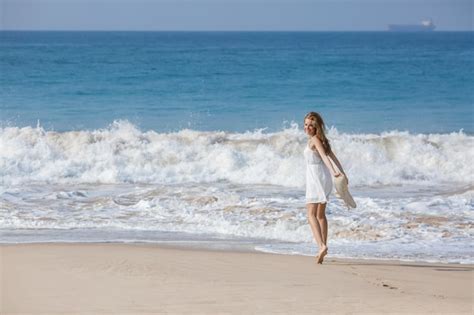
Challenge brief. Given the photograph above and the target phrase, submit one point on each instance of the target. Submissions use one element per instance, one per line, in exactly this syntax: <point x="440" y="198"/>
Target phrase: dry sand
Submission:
<point x="148" y="279"/>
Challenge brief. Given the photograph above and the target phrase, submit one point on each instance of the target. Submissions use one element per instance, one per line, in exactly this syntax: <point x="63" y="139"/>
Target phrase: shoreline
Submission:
<point x="213" y="246"/>
<point x="238" y="246"/>
<point x="139" y="278"/>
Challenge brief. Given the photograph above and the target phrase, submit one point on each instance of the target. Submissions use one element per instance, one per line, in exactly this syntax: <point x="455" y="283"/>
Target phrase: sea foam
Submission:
<point x="122" y="153"/>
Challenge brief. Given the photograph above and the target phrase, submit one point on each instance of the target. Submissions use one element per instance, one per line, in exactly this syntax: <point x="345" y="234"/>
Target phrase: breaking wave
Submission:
<point x="121" y="153"/>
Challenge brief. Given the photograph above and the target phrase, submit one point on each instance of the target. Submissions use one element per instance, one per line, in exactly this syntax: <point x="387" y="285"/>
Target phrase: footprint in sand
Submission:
<point x="391" y="287"/>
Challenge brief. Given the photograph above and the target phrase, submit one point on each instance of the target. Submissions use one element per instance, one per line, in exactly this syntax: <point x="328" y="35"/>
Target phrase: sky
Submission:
<point x="232" y="15"/>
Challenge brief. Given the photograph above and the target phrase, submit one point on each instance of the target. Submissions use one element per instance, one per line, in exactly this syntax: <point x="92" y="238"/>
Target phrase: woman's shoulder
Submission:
<point x="314" y="140"/>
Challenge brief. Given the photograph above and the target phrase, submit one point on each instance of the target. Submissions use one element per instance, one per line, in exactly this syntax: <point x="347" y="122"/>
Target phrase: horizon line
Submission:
<point x="230" y="30"/>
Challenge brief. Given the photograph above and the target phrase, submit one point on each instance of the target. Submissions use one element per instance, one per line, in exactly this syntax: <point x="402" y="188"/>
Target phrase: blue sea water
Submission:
<point x="237" y="81"/>
<point x="195" y="137"/>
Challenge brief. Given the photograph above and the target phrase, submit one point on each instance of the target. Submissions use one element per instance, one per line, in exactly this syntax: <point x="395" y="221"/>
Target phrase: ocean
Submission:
<point x="195" y="138"/>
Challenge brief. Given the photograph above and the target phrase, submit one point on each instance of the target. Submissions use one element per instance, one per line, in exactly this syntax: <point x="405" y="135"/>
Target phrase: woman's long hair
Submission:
<point x="318" y="123"/>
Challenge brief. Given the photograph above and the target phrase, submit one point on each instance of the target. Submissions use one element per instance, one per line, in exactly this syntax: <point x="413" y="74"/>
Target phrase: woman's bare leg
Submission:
<point x="323" y="224"/>
<point x="313" y="222"/>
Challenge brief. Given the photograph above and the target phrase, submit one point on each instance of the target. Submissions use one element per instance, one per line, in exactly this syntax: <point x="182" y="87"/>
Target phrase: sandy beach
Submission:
<point x="149" y="279"/>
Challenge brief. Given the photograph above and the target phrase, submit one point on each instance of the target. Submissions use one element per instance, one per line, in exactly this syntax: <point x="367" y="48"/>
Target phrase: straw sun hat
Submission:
<point x="342" y="189"/>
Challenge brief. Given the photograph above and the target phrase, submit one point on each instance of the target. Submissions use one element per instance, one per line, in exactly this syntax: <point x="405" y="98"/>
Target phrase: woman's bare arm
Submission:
<point x="334" y="158"/>
<point x="319" y="146"/>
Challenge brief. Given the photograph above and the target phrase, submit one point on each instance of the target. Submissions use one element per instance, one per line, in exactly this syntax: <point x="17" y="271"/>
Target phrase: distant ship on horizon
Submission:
<point x="424" y="26"/>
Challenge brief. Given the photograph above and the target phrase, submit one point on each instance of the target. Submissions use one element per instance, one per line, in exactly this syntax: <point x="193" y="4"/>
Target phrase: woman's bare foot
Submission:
<point x="322" y="252"/>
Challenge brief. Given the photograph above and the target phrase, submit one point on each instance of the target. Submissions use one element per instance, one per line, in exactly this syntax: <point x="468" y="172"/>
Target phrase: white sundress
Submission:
<point x="318" y="178"/>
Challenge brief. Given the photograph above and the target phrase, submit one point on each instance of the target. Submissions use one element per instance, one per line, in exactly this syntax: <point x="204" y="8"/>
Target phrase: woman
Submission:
<point x="318" y="179"/>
